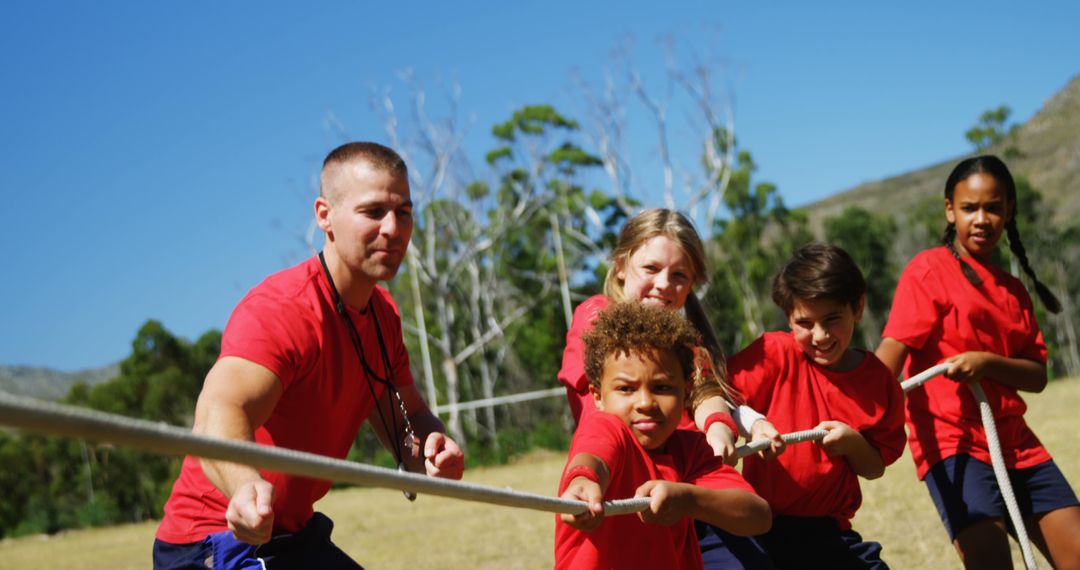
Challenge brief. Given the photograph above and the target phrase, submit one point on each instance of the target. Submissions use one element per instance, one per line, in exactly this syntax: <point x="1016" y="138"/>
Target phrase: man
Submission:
<point x="306" y="357"/>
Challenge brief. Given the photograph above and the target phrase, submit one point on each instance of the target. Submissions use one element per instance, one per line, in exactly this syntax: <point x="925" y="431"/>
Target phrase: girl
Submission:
<point x="659" y="257"/>
<point x="953" y="305"/>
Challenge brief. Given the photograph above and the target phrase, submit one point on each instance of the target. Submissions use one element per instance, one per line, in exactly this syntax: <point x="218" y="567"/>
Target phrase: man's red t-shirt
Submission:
<point x="938" y="313"/>
<point x="624" y="541"/>
<point x="780" y="380"/>
<point x="288" y="324"/>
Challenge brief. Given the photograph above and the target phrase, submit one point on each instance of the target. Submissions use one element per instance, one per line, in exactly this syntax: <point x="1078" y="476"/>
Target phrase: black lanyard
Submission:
<point x="370" y="375"/>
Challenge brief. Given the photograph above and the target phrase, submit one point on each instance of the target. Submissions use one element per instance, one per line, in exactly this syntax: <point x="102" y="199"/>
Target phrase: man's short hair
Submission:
<point x="375" y="155"/>
<point x="818" y="271"/>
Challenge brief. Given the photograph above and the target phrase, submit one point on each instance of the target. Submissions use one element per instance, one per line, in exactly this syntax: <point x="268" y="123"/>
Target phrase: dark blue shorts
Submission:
<point x="965" y="492"/>
<point x="721" y="550"/>
<point x="309" y="548"/>
<point x="818" y="542"/>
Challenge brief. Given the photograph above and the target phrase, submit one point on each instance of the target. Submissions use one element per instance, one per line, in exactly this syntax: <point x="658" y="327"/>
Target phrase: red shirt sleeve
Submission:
<point x="265" y="330"/>
<point x="887" y="435"/>
<point x="572" y="374"/>
<point x="601" y="435"/>
<point x="753" y="373"/>
<point x="917" y="307"/>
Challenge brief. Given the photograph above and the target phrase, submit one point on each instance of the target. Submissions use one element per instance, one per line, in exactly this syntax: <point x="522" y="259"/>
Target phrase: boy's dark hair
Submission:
<point x="818" y="271"/>
<point x="625" y="328"/>
<point x="995" y="168"/>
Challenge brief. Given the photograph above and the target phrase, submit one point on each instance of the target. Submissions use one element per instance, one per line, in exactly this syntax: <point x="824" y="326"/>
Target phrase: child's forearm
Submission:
<point x="739" y="512"/>
<point x="864" y="458"/>
<point x="1019" y="373"/>
<point x="591" y="463"/>
<point x="892" y="353"/>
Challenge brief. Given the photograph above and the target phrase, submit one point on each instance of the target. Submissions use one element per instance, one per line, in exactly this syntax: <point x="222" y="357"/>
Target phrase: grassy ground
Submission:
<point x="383" y="530"/>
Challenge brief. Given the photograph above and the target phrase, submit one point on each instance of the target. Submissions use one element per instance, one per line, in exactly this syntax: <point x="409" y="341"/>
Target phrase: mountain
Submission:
<point x="49" y="384"/>
<point x="1049" y="142"/>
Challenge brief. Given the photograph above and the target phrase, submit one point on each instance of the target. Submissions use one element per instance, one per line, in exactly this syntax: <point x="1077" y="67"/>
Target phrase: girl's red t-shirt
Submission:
<point x="938" y="313"/>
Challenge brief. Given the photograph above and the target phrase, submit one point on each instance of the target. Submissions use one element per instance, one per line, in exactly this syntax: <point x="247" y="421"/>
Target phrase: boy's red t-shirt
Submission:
<point x="938" y="313"/>
<point x="288" y="324"/>
<point x="780" y="380"/>
<point x="624" y="541"/>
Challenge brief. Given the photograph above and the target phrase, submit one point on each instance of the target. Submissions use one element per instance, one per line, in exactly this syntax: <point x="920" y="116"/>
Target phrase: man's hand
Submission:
<point x="250" y="514"/>
<point x="443" y="457"/>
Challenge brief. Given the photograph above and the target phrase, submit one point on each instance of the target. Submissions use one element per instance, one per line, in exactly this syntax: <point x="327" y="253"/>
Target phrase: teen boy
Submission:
<point x="811" y="377"/>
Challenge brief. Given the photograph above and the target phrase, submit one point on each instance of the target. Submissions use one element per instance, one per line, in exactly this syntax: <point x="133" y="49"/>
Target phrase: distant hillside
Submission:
<point x="1050" y="142"/>
<point x="49" y="384"/>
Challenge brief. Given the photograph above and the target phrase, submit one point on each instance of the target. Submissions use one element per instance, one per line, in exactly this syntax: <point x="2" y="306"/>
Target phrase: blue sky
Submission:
<point x="157" y="157"/>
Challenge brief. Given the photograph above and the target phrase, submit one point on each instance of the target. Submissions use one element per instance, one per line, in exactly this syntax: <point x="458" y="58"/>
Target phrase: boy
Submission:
<point x="811" y="377"/>
<point x="638" y="360"/>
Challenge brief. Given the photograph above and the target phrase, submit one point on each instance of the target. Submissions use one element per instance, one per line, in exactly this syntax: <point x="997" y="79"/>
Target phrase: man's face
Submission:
<point x="367" y="214"/>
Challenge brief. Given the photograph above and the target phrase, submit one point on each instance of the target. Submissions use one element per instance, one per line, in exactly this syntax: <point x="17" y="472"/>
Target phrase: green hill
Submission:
<point x="1050" y="143"/>
<point x="49" y="384"/>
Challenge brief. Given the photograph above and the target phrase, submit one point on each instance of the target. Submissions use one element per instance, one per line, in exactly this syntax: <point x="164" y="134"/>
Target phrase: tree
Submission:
<point x="749" y="247"/>
<point x="868" y="238"/>
<point x="993" y="130"/>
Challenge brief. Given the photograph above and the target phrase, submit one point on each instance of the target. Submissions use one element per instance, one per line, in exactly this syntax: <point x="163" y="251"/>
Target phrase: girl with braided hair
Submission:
<point x="953" y="305"/>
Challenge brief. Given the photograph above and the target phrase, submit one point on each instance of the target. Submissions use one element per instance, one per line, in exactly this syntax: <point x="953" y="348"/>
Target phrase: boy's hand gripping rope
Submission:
<point x="69" y="421"/>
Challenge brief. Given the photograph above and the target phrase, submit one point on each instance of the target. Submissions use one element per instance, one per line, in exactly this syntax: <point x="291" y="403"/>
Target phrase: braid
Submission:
<point x="719" y="386"/>
<point x="1017" y="247"/>
<point x="968" y="271"/>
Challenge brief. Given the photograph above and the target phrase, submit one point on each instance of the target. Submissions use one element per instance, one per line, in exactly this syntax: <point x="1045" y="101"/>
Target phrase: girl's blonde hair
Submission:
<point x="678" y="228"/>
<point x="645" y="226"/>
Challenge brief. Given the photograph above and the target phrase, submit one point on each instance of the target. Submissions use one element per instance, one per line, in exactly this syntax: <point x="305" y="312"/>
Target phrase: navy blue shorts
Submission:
<point x="309" y="548"/>
<point x="965" y="492"/>
<point x="721" y="550"/>
<point x="818" y="542"/>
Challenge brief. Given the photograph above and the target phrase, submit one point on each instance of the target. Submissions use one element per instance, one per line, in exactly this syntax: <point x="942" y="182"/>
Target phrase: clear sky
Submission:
<point x="158" y="156"/>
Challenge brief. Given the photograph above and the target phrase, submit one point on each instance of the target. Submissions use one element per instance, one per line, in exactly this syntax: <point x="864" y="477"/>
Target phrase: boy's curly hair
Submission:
<point x="624" y="328"/>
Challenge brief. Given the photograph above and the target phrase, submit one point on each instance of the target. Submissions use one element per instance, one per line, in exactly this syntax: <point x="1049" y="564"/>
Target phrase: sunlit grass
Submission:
<point x="383" y="530"/>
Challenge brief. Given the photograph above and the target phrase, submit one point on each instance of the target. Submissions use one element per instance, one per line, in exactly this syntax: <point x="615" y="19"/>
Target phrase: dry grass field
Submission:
<point x="383" y="530"/>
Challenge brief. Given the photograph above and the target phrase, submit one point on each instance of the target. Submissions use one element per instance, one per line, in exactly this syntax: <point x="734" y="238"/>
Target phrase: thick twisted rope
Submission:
<point x="997" y="460"/>
<point x="789" y="438"/>
<point x="57" y="419"/>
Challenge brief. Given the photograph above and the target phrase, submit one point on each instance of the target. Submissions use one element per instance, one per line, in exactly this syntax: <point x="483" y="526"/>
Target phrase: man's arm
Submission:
<point x="438" y="455"/>
<point x="237" y="397"/>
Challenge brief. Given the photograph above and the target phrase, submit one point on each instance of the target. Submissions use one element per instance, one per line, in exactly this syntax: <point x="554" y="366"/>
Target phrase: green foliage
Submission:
<point x="993" y="130"/>
<point x="749" y="246"/>
<point x="62" y="483"/>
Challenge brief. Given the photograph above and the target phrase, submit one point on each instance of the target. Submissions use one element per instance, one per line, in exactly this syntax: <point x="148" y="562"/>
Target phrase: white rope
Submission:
<point x="921" y="378"/>
<point x="513" y="398"/>
<point x="1002" y="474"/>
<point x="793" y="437"/>
<point x="69" y="421"/>
<point x="997" y="460"/>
